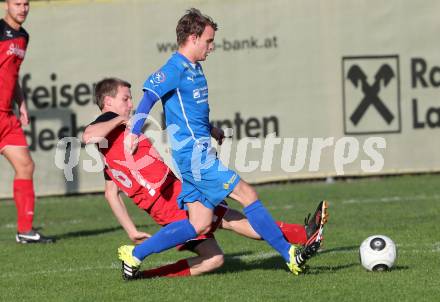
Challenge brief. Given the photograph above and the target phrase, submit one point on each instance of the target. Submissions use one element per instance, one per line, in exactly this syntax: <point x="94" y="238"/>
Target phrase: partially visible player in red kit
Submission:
<point x="13" y="145"/>
<point x="153" y="187"/>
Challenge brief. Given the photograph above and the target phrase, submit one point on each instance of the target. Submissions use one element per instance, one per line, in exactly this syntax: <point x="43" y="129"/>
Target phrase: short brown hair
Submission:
<point x="108" y="87"/>
<point x="193" y="22"/>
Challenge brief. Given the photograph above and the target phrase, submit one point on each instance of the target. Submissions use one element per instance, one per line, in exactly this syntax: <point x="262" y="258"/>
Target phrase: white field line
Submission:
<point x="66" y="222"/>
<point x="383" y="199"/>
<point x="285" y="207"/>
<point x="401" y="248"/>
<point x="387" y="199"/>
<point x="49" y="200"/>
<point x="113" y="266"/>
<point x="435" y="248"/>
<point x="9" y="226"/>
<point x="257" y="256"/>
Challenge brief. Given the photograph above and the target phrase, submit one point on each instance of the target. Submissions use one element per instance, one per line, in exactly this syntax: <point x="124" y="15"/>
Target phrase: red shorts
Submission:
<point x="165" y="211"/>
<point x="11" y="133"/>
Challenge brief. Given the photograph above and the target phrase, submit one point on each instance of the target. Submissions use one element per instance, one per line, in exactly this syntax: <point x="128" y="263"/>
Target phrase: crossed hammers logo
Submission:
<point x="357" y="76"/>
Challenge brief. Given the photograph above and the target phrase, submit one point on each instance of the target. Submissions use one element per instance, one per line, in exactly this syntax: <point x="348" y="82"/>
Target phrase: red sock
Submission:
<point x="294" y="233"/>
<point x="178" y="269"/>
<point x="24" y="197"/>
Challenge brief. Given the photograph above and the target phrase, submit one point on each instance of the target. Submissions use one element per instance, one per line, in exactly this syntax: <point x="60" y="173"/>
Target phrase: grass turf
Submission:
<point x="82" y="265"/>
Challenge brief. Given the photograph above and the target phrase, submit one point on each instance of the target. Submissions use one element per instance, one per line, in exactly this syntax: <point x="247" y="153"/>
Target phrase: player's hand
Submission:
<point x="124" y="121"/>
<point x="139" y="237"/>
<point x="24" y="118"/>
<point x="218" y="134"/>
<point x="131" y="143"/>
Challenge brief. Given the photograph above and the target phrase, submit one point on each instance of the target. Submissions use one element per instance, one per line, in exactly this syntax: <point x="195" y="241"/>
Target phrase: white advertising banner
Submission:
<point x="310" y="88"/>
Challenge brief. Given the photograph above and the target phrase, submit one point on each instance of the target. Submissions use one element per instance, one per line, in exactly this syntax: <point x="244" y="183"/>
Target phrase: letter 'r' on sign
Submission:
<point x="371" y="94"/>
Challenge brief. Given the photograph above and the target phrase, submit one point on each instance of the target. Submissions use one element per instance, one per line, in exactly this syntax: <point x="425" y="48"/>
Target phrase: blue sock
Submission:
<point x="265" y="226"/>
<point x="169" y="236"/>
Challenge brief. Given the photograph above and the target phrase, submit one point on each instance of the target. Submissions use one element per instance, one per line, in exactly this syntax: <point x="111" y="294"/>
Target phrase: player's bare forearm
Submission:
<point x="21" y="102"/>
<point x="236" y="222"/>
<point x="19" y="95"/>
<point x="120" y="211"/>
<point x="97" y="132"/>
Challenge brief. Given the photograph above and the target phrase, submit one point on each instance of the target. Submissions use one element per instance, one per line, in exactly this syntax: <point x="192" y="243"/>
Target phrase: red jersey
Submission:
<point x="142" y="173"/>
<point x="13" y="46"/>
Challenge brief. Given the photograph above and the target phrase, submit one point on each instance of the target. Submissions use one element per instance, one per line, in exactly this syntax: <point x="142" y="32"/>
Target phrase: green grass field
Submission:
<point x="82" y="265"/>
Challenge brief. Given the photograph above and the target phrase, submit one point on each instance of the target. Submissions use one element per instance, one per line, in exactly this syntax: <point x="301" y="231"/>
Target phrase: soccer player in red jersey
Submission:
<point x="153" y="187"/>
<point x="13" y="145"/>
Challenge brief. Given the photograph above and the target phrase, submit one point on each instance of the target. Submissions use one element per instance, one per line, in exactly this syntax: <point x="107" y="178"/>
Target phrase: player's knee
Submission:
<point x="26" y="168"/>
<point x="248" y="194"/>
<point x="216" y="261"/>
<point x="202" y="229"/>
<point x="30" y="167"/>
<point x="201" y="226"/>
<point x="252" y="194"/>
<point x="213" y="263"/>
<point x="225" y="224"/>
<point x="209" y="264"/>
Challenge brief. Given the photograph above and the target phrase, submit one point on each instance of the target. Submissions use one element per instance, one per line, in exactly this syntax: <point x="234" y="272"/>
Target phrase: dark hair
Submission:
<point x="193" y="22"/>
<point x="108" y="87"/>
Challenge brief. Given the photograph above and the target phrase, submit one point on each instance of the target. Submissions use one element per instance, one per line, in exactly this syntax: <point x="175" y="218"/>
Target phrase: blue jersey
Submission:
<point x="183" y="89"/>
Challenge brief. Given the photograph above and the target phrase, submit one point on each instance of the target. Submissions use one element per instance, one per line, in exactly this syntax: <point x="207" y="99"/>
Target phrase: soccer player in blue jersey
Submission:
<point x="182" y="87"/>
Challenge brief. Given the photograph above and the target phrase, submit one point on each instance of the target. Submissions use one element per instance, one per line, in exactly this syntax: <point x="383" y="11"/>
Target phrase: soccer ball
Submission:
<point x="377" y="253"/>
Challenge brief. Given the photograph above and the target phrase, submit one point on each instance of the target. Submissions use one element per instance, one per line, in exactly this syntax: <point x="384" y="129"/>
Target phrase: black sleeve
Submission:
<point x="105" y="117"/>
<point x="8" y="33"/>
<point x="106" y="177"/>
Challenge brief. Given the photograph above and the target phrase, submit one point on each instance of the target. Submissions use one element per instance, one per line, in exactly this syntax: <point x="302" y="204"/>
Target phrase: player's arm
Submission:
<point x="155" y="87"/>
<point x="120" y="211"/>
<point x="138" y="120"/>
<point x="99" y="129"/>
<point x="147" y="102"/>
<point x="21" y="102"/>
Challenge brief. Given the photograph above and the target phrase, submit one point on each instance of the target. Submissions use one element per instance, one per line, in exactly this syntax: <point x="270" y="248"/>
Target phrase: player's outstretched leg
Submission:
<point x="167" y="237"/>
<point x="130" y="265"/>
<point x="314" y="225"/>
<point x="310" y="231"/>
<point x="299" y="256"/>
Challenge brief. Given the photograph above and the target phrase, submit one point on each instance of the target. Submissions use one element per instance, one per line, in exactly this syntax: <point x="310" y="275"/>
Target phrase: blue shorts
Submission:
<point x="210" y="186"/>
